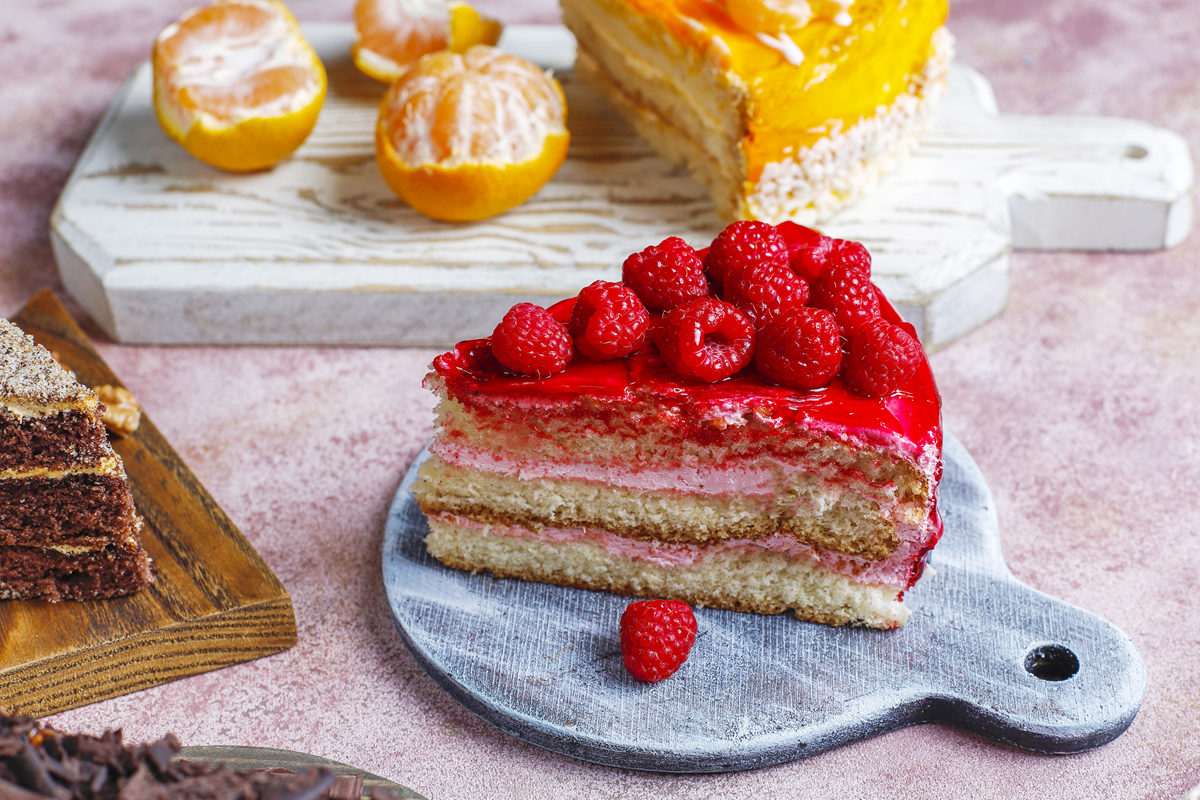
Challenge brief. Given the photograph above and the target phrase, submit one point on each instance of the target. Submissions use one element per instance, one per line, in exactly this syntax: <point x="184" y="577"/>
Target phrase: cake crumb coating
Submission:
<point x="29" y="372"/>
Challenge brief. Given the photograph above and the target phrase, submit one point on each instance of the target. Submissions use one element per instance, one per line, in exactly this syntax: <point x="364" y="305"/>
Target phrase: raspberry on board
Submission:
<point x="800" y="348"/>
<point x="745" y="243"/>
<point x="656" y="638"/>
<point x="608" y="321"/>
<point x="880" y="358"/>
<point x="530" y="342"/>
<point x="815" y="260"/>
<point x="848" y="293"/>
<point x="706" y="339"/>
<point x="666" y="275"/>
<point x="762" y="290"/>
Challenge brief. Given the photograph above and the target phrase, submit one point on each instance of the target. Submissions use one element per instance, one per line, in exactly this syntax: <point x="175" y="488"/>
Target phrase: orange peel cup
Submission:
<point x="236" y="84"/>
<point x="390" y="35"/>
<point x="466" y="137"/>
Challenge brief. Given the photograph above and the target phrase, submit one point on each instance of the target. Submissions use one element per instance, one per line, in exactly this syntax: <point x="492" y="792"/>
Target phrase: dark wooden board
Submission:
<point x="214" y="602"/>
<point x="242" y="758"/>
<point x="981" y="651"/>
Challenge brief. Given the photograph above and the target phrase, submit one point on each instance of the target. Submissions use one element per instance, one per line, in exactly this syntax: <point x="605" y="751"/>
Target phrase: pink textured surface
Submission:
<point x="1081" y="404"/>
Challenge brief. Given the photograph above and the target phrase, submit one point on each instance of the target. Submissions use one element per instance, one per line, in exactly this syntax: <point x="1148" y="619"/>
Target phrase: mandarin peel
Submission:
<point x="468" y="192"/>
<point x="469" y="28"/>
<point x="465" y="137"/>
<point x="390" y="35"/>
<point x="252" y="144"/>
<point x="240" y="113"/>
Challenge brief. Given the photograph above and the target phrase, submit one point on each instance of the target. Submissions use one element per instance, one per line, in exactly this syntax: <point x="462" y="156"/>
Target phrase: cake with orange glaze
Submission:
<point x="784" y="109"/>
<point x="740" y="492"/>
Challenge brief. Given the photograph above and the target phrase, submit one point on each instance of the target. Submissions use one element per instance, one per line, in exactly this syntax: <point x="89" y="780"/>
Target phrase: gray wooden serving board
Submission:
<point x="543" y="662"/>
<point x="162" y="249"/>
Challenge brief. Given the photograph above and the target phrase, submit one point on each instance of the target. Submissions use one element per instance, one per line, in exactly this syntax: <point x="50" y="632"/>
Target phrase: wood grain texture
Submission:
<point x="243" y="758"/>
<point x="161" y="248"/>
<point x="214" y="601"/>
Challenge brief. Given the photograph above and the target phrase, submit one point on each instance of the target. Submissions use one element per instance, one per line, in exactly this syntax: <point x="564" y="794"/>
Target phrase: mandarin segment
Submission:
<point x="465" y="137"/>
<point x="236" y="84"/>
<point x="390" y="35"/>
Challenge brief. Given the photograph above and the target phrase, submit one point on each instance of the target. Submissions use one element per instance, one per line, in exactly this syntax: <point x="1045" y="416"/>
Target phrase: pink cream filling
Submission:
<point x="894" y="572"/>
<point x="761" y="482"/>
<point x="698" y="480"/>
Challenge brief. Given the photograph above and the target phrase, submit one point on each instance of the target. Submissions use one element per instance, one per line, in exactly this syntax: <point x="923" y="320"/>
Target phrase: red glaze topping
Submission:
<point x="909" y="419"/>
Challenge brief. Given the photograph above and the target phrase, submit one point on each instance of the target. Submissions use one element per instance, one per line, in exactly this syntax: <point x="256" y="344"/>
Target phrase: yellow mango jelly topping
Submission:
<point x="847" y="72"/>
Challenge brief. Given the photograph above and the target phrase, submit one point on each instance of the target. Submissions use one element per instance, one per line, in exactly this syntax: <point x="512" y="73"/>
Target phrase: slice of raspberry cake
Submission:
<point x="750" y="427"/>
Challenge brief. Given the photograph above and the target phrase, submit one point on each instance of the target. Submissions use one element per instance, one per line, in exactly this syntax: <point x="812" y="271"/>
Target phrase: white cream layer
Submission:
<point x="24" y="409"/>
<point x="109" y="465"/>
<point x="129" y="543"/>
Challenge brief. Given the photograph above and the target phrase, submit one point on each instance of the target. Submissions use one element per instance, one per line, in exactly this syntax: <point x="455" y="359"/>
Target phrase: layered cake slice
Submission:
<point x="733" y="454"/>
<point x="68" y="528"/>
<point x="785" y="109"/>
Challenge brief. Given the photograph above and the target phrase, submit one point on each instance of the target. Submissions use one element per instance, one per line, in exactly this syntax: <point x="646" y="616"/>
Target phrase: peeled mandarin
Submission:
<point x="465" y="137"/>
<point x="389" y="35"/>
<point x="236" y="83"/>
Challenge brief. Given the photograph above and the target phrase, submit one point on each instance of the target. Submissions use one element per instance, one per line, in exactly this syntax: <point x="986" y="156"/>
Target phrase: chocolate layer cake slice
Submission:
<point x="68" y="528"/>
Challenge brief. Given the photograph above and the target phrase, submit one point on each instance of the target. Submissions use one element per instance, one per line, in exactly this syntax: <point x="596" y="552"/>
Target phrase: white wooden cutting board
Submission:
<point x="162" y="249"/>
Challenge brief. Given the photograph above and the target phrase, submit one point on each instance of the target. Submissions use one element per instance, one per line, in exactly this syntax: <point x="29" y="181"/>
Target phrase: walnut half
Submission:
<point x="122" y="414"/>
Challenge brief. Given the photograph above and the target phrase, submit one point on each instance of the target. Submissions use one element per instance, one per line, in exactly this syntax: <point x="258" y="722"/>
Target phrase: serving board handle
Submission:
<point x="1016" y="664"/>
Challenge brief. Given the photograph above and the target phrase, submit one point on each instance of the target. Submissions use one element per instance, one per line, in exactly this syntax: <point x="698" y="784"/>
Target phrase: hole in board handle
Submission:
<point x="1051" y="662"/>
<point x="1136" y="151"/>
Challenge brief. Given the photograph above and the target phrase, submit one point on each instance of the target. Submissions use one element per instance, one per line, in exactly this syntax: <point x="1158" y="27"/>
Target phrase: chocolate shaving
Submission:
<point x="161" y="753"/>
<point x="29" y="765"/>
<point x="11" y="791"/>
<point x="99" y="779"/>
<point x="346" y="787"/>
<point x="40" y="763"/>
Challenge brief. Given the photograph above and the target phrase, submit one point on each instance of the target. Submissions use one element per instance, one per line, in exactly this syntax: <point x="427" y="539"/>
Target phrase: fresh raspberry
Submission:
<point x="656" y="637"/>
<point x="529" y="341"/>
<point x="848" y="293"/>
<point x="762" y="290"/>
<point x="745" y="243"/>
<point x="800" y="348"/>
<point x="666" y="275"/>
<point x="706" y="339"/>
<point x="609" y="321"/>
<point x="656" y="322"/>
<point x="881" y="357"/>
<point x="817" y="259"/>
